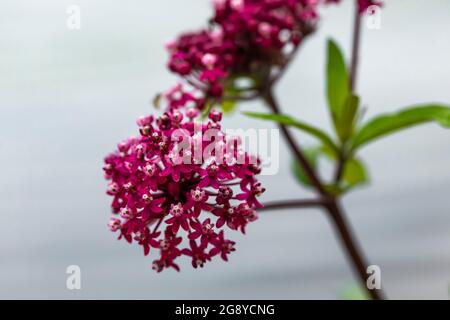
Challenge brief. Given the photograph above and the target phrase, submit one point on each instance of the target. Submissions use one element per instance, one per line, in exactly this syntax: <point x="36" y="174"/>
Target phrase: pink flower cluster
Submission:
<point x="161" y="202"/>
<point x="245" y="38"/>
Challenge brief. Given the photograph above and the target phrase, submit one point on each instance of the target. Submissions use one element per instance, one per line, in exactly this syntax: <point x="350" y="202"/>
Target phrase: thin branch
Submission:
<point x="353" y="250"/>
<point x="248" y="97"/>
<point x="307" y="30"/>
<point x="158" y="224"/>
<point x="298" y="153"/>
<point x="337" y="215"/>
<point x="355" y="46"/>
<point x="340" y="168"/>
<point x="353" y="75"/>
<point x="285" y="66"/>
<point x="292" y="204"/>
<point x="335" y="212"/>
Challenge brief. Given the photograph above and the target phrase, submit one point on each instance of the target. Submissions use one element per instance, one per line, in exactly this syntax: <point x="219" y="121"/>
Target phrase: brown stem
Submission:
<point x="336" y="213"/>
<point x="353" y="74"/>
<point x="242" y="97"/>
<point x="340" y="168"/>
<point x="158" y="224"/>
<point x="298" y="153"/>
<point x="355" y="46"/>
<point x="290" y="204"/>
<point x="349" y="242"/>
<point x="283" y="69"/>
<point x="338" y="218"/>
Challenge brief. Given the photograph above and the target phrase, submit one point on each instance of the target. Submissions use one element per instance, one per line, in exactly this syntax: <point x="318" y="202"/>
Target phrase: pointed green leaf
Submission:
<point x="347" y="119"/>
<point x="289" y="121"/>
<point x="389" y="123"/>
<point x="334" y="189"/>
<point x="337" y="80"/>
<point x="354" y="172"/>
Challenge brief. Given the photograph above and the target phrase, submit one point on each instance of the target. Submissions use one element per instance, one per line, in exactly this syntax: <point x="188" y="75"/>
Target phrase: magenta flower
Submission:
<point x="222" y="246"/>
<point x="204" y="230"/>
<point x="114" y="224"/>
<point x="145" y="238"/>
<point x="179" y="218"/>
<point x="213" y="175"/>
<point x="227" y="216"/>
<point x="250" y="195"/>
<point x="197" y="253"/>
<point x="197" y="201"/>
<point x="161" y="192"/>
<point x="169" y="251"/>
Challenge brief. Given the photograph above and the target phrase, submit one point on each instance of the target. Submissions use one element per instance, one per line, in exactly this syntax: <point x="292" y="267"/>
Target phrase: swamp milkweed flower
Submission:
<point x="165" y="200"/>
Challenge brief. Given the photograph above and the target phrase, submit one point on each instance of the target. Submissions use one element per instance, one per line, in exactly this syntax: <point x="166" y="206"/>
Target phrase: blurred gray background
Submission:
<point x="67" y="97"/>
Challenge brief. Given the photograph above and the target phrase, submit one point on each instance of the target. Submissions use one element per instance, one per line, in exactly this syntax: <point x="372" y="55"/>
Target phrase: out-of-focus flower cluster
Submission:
<point x="245" y="38"/>
<point x="249" y="39"/>
<point x="178" y="200"/>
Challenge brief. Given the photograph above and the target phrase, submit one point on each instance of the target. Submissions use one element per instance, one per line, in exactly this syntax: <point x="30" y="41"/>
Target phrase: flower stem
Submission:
<point x="353" y="250"/>
<point x="299" y="154"/>
<point x="334" y="211"/>
<point x="355" y="46"/>
<point x="352" y="79"/>
<point x="340" y="168"/>
<point x="290" y="204"/>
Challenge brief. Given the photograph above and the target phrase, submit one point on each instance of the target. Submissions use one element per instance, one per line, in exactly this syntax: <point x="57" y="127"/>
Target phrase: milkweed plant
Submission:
<point x="177" y="203"/>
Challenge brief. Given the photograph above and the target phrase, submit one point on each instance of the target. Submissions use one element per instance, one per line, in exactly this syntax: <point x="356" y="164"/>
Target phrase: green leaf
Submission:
<point x="389" y="123"/>
<point x="228" y="106"/>
<point x="334" y="189"/>
<point x="289" y="121"/>
<point x="354" y="172"/>
<point x="346" y="122"/>
<point x="312" y="155"/>
<point x="338" y="87"/>
<point x="157" y="100"/>
<point x="331" y="154"/>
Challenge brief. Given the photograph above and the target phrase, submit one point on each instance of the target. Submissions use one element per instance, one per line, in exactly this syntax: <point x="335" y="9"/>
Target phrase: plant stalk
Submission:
<point x="340" y="168"/>
<point x="355" y="47"/>
<point x="352" y="247"/>
<point x="352" y="78"/>
<point x="290" y="204"/>
<point x="299" y="154"/>
<point x="334" y="211"/>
